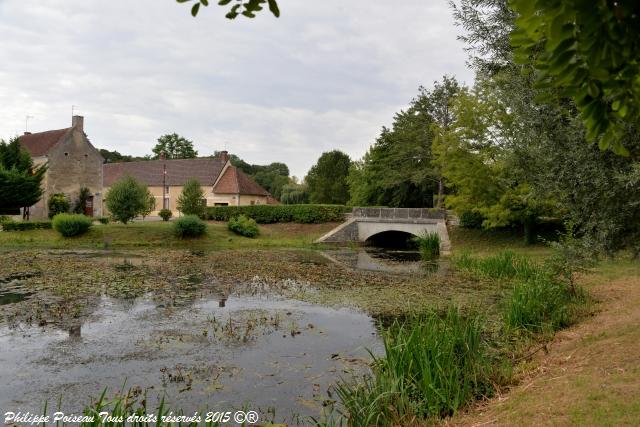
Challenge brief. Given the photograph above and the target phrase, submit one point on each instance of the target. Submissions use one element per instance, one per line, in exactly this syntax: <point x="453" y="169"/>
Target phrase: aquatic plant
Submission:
<point x="71" y="224"/>
<point x="432" y="366"/>
<point x="429" y="245"/>
<point x="503" y="265"/>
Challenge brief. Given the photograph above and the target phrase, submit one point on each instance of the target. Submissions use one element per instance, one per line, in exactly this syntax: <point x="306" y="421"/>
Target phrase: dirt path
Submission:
<point x="590" y="377"/>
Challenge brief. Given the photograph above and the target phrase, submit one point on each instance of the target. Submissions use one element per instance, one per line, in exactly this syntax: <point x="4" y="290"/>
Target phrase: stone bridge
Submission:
<point x="365" y="223"/>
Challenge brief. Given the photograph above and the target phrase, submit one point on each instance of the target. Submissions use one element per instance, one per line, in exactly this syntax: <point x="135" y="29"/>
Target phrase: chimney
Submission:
<point x="78" y="123"/>
<point x="224" y="155"/>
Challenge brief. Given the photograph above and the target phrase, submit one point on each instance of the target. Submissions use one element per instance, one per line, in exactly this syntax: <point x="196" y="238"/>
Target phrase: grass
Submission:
<point x="432" y="366"/>
<point x="152" y="234"/>
<point x="428" y="245"/>
<point x="501" y="266"/>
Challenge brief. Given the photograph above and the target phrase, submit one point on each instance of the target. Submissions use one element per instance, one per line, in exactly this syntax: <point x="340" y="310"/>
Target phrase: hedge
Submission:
<point x="25" y="225"/>
<point x="268" y="214"/>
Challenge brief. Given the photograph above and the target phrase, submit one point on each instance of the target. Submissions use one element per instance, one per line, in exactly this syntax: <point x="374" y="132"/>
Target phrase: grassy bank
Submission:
<point x="160" y="234"/>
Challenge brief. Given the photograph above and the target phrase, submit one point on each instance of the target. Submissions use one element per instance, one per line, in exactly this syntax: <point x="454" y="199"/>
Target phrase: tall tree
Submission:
<point x="174" y="146"/>
<point x="126" y="199"/>
<point x="191" y="200"/>
<point x="20" y="181"/>
<point x="327" y="179"/>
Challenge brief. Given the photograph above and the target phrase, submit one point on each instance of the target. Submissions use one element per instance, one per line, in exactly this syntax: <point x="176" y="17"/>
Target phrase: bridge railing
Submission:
<point x="399" y="213"/>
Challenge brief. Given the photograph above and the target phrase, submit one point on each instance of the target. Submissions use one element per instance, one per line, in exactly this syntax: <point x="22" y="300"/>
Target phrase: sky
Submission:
<point x="327" y="74"/>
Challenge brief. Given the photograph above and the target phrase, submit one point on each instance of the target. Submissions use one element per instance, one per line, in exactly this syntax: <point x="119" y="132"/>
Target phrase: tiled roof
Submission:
<point x="149" y="172"/>
<point x="234" y="181"/>
<point x="39" y="144"/>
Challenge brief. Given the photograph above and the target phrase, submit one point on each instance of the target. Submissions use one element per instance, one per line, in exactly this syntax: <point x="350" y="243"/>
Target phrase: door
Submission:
<point x="88" y="206"/>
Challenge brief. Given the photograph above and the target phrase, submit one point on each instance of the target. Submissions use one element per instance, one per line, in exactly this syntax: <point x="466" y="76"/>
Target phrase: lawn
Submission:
<point x="153" y="234"/>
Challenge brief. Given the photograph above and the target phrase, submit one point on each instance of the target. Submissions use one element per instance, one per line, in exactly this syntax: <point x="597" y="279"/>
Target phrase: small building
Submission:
<point x="72" y="163"/>
<point x="223" y="183"/>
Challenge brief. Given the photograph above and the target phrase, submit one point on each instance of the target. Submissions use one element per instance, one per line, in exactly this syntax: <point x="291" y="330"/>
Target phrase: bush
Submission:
<point x="433" y="365"/>
<point x="71" y="224"/>
<point x="126" y="199"/>
<point x="165" y="214"/>
<point x="190" y="201"/>
<point x="103" y="220"/>
<point x="4" y="218"/>
<point x="471" y="219"/>
<point x="57" y="204"/>
<point x="189" y="226"/>
<point x="25" y="225"/>
<point x="428" y="245"/>
<point x="269" y="214"/>
<point x="243" y="226"/>
<point x="83" y="196"/>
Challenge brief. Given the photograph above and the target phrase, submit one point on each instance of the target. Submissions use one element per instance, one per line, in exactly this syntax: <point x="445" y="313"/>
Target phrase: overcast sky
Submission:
<point x="318" y="78"/>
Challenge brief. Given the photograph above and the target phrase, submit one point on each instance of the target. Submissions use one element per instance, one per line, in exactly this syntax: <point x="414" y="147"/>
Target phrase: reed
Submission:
<point x="428" y="245"/>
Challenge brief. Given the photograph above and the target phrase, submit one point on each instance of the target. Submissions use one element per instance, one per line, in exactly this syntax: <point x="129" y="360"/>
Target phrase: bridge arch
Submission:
<point x="391" y="239"/>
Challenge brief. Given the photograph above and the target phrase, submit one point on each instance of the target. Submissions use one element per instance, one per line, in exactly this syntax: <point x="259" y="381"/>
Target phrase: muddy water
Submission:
<point x="215" y="352"/>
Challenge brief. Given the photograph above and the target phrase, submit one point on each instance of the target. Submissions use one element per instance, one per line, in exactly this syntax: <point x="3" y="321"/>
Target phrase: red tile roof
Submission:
<point x="205" y="170"/>
<point x="234" y="181"/>
<point x="39" y="144"/>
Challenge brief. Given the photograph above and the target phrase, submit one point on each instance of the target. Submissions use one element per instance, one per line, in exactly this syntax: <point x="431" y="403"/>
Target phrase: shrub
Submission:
<point x="471" y="219"/>
<point x="268" y="214"/>
<point x="57" y="204"/>
<point x="189" y="226"/>
<point x="104" y="220"/>
<point x="428" y="245"/>
<point x="165" y="214"/>
<point x="243" y="226"/>
<point x="25" y="225"/>
<point x="83" y="196"/>
<point x="71" y="224"/>
<point x="4" y="218"/>
<point x="190" y="201"/>
<point x="126" y="199"/>
<point x="432" y="366"/>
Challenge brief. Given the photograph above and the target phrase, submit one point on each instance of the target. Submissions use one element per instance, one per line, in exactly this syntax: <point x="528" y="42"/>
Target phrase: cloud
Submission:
<point x="325" y="75"/>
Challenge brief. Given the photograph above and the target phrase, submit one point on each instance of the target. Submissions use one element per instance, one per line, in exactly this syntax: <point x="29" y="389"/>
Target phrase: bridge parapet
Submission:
<point x="399" y="213"/>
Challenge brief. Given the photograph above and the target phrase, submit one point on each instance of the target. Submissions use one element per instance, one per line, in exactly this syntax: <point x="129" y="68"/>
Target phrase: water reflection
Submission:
<point x="388" y="260"/>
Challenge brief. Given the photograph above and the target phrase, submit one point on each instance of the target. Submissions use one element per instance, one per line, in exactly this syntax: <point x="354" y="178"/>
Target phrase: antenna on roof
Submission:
<point x="26" y="123"/>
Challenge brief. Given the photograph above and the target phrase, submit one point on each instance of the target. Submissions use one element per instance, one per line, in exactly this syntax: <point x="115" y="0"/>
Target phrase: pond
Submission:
<point x="211" y="351"/>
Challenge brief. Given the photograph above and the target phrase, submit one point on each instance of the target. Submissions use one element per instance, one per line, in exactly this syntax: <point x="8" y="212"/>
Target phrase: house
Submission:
<point x="223" y="183"/>
<point x="72" y="163"/>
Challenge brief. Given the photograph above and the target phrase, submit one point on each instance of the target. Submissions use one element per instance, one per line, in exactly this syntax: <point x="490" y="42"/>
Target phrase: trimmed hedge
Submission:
<point x="243" y="226"/>
<point x="25" y="225"/>
<point x="165" y="214"/>
<point x="71" y="224"/>
<point x="189" y="226"/>
<point x="269" y="214"/>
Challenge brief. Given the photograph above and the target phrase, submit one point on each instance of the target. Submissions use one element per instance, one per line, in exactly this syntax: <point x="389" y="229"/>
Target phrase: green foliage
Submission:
<point x="571" y="255"/>
<point x="71" y="224"/>
<point x="174" y="146"/>
<point x="103" y="220"/>
<point x="243" y="226"/>
<point x="58" y="203"/>
<point x="83" y="195"/>
<point x="150" y="205"/>
<point x="471" y="219"/>
<point x="327" y="179"/>
<point x="189" y="226"/>
<point x="126" y="199"/>
<point x="398" y="170"/>
<point x="10" y="225"/>
<point x="503" y="265"/>
<point x="165" y="214"/>
<point x="247" y="8"/>
<point x="4" y="218"/>
<point x="268" y="214"/>
<point x="20" y="181"/>
<point x="433" y="365"/>
<point x="591" y="53"/>
<point x="428" y="245"/>
<point x="191" y="200"/>
<point x="294" y="194"/>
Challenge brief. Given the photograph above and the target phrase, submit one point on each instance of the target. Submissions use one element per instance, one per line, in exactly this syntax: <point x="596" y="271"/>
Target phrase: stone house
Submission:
<point x="72" y="163"/>
<point x="223" y="183"/>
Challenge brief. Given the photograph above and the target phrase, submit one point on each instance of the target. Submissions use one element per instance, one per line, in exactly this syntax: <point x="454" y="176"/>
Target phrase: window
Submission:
<point x="220" y="204"/>
<point x="204" y="202"/>
<point x="253" y="202"/>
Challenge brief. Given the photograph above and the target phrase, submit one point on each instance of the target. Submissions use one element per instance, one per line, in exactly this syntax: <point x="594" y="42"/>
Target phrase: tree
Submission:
<point x="20" y="181"/>
<point x="590" y="52"/>
<point x="149" y="206"/>
<point x="247" y="8"/>
<point x="126" y="199"/>
<point x="83" y="195"/>
<point x="190" y="201"/>
<point x="174" y="146"/>
<point x="327" y="179"/>
<point x="294" y="194"/>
